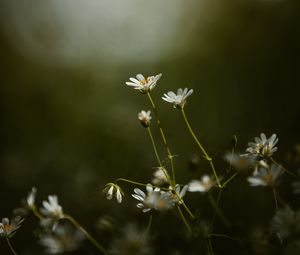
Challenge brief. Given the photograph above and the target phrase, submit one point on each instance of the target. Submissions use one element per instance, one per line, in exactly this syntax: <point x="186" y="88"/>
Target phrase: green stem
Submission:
<point x="229" y="179"/>
<point x="222" y="236"/>
<point x="149" y="224"/>
<point x="184" y="219"/>
<point x="289" y="172"/>
<point x="36" y="213"/>
<point x="91" y="239"/>
<point x="157" y="156"/>
<point x="138" y="183"/>
<point x="206" y="156"/>
<point x="218" y="211"/>
<point x="10" y="246"/>
<point x="275" y="198"/>
<point x="170" y="156"/>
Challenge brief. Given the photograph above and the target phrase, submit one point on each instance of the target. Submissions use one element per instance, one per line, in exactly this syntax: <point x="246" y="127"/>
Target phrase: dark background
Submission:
<point x="69" y="123"/>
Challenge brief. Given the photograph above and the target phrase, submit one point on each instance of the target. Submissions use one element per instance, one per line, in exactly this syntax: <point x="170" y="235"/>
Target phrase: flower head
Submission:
<point x="204" y="185"/>
<point x="111" y="190"/>
<point x="8" y="228"/>
<point x="286" y="222"/>
<point x="262" y="147"/>
<point x="145" y="118"/>
<point x="178" y="100"/>
<point x="180" y="193"/>
<point x="62" y="239"/>
<point x="159" y="176"/>
<point x="154" y="199"/>
<point x="51" y="208"/>
<point x="239" y="162"/>
<point x="266" y="177"/>
<point x="144" y="85"/>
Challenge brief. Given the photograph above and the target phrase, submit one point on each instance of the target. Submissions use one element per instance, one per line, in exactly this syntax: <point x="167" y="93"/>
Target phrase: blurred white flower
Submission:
<point x="52" y="209"/>
<point x="286" y="222"/>
<point x="132" y="241"/>
<point x="31" y="198"/>
<point x="266" y="177"/>
<point x="9" y="227"/>
<point x="239" y="162"/>
<point x="204" y="185"/>
<point x="155" y="199"/>
<point x="112" y="189"/>
<point x="62" y="239"/>
<point x="178" y="100"/>
<point x="145" y="118"/>
<point x="262" y="147"/>
<point x="159" y="176"/>
<point x="144" y="85"/>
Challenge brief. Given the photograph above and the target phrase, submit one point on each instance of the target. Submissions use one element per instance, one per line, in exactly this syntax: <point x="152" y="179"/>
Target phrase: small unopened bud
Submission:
<point x="145" y="118"/>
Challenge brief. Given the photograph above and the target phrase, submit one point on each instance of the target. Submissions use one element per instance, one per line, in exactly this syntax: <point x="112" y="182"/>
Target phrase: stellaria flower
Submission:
<point x="286" y="222"/>
<point x="62" y="239"/>
<point x="132" y="241"/>
<point x="155" y="199"/>
<point x="9" y="227"/>
<point x="112" y="189"/>
<point x="159" y="176"/>
<point x="144" y="85"/>
<point x="239" y="162"/>
<point x="180" y="192"/>
<point x="266" y="177"/>
<point x="52" y="209"/>
<point x="145" y="118"/>
<point x="262" y="147"/>
<point x="204" y="185"/>
<point x="178" y="100"/>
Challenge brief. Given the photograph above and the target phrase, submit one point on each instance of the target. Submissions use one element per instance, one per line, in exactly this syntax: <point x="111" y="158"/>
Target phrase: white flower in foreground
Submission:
<point x="111" y="190"/>
<point x="178" y="100"/>
<point x="204" y="185"/>
<point x="9" y="228"/>
<point x="144" y="85"/>
<point x="286" y="222"/>
<point x="62" y="239"/>
<point x="180" y="192"/>
<point x="145" y="118"/>
<point x="159" y="176"/>
<point x="262" y="147"/>
<point x="31" y="198"/>
<point x="266" y="177"/>
<point x="155" y="199"/>
<point x="51" y="208"/>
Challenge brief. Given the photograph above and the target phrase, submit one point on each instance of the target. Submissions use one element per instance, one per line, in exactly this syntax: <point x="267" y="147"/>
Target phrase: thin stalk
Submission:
<point x="37" y="214"/>
<point x="170" y="155"/>
<point x="222" y="236"/>
<point x="184" y="219"/>
<point x="229" y="179"/>
<point x="149" y="224"/>
<point x="157" y="156"/>
<point x="10" y="246"/>
<point x="88" y="236"/>
<point x="289" y="172"/>
<point x="275" y="198"/>
<point x="210" y="249"/>
<point x="218" y="211"/>
<point x="206" y="156"/>
<point x="138" y="183"/>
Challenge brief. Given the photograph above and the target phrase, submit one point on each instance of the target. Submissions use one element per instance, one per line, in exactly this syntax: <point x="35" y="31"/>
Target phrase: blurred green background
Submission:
<point x="69" y="123"/>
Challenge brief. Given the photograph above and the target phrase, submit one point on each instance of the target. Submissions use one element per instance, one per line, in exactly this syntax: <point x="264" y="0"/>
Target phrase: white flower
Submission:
<point x="204" y="185"/>
<point x="239" y="162"/>
<point x="31" y="198"/>
<point x="178" y="100"/>
<point x="179" y="191"/>
<point x="262" y="147"/>
<point x="62" y="239"/>
<point x="142" y="84"/>
<point x="52" y="209"/>
<point x="9" y="228"/>
<point x="286" y="222"/>
<point x="155" y="199"/>
<point x="266" y="177"/>
<point x="145" y="118"/>
<point x="111" y="190"/>
<point x="159" y="176"/>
